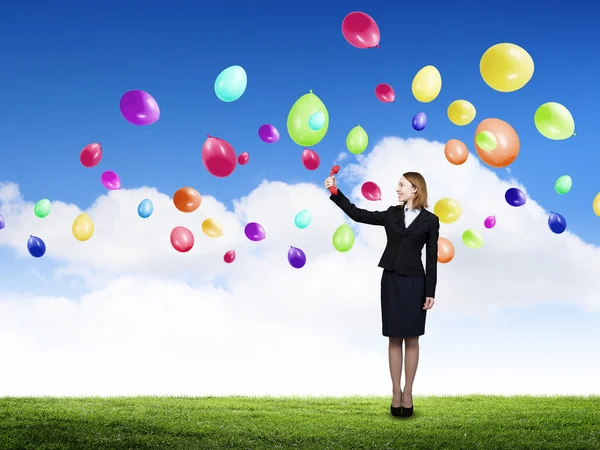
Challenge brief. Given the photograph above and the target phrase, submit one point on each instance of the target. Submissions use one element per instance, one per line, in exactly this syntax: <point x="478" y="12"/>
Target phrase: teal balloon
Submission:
<point x="145" y="208"/>
<point x="231" y="84"/>
<point x="316" y="121"/>
<point x="303" y="218"/>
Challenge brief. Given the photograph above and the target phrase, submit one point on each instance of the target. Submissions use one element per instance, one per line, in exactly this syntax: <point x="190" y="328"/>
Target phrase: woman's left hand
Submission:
<point x="429" y="302"/>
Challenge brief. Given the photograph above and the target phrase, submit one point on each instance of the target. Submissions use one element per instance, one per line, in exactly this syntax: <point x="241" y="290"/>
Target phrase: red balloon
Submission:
<point x="370" y="191"/>
<point x="182" y="239"/>
<point x="91" y="155"/>
<point x="229" y="257"/>
<point x="360" y="30"/>
<point x="218" y="157"/>
<point x="243" y="158"/>
<point x="385" y="93"/>
<point x="310" y="159"/>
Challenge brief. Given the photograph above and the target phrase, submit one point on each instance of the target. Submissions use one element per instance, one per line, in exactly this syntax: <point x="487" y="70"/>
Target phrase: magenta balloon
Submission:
<point x="218" y="156"/>
<point x="229" y="256"/>
<point x="139" y="108"/>
<point x="110" y="180"/>
<point x="268" y="133"/>
<point x="370" y="191"/>
<point x="489" y="222"/>
<point x="255" y="232"/>
<point x="243" y="158"/>
<point x="182" y="239"/>
<point x="296" y="258"/>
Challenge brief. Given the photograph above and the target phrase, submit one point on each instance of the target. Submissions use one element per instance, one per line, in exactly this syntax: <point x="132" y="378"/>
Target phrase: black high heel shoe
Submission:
<point x="407" y="412"/>
<point x="396" y="410"/>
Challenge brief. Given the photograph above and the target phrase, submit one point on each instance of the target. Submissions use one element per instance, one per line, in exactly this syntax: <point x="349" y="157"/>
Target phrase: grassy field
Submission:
<point x="350" y="423"/>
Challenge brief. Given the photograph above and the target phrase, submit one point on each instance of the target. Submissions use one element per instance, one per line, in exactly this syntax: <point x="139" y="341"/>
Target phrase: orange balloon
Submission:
<point x="187" y="199"/>
<point x="456" y="152"/>
<point x="508" y="145"/>
<point x="445" y="250"/>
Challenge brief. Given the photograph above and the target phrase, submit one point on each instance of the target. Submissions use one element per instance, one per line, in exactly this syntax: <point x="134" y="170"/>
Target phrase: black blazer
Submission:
<point x="404" y="245"/>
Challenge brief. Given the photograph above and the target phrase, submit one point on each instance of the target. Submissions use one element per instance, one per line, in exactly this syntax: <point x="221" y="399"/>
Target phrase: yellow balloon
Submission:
<point x="506" y="67"/>
<point x="461" y="112"/>
<point x="212" y="228"/>
<point x="83" y="227"/>
<point x="427" y="84"/>
<point x="596" y="205"/>
<point x="448" y="210"/>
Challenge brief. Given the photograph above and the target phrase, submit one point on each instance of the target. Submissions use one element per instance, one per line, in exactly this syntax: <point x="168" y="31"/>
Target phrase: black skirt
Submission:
<point x="402" y="301"/>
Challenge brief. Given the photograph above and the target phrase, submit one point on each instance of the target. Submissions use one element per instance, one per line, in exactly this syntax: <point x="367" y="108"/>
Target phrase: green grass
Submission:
<point x="350" y="423"/>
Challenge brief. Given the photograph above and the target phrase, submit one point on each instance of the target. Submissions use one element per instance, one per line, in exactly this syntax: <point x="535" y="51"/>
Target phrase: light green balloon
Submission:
<point x="42" y="208"/>
<point x="298" y="120"/>
<point x="563" y="184"/>
<point x="486" y="141"/>
<point x="357" y="140"/>
<point x="554" y="121"/>
<point x="472" y="239"/>
<point x="303" y="218"/>
<point x="343" y="238"/>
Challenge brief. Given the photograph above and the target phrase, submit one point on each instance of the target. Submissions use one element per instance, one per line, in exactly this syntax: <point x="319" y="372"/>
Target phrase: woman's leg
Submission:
<point x="395" y="355"/>
<point x="411" y="361"/>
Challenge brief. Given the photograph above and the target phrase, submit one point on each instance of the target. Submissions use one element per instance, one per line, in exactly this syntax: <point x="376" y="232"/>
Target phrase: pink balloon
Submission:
<point x="182" y="239"/>
<point x="91" y="155"/>
<point x="243" y="158"/>
<point x="111" y="180"/>
<point x="218" y="157"/>
<point x="229" y="257"/>
<point x="310" y="159"/>
<point x="370" y="191"/>
<point x="360" y="30"/>
<point x="385" y="93"/>
<point x="490" y="222"/>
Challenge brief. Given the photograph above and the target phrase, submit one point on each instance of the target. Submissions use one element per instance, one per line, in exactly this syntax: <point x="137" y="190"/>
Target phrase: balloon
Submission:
<point x="357" y="140"/>
<point x="419" y="121"/>
<point x="303" y="219"/>
<point x="489" y="222"/>
<point x="486" y="141"/>
<point x="187" y="199"/>
<point x="182" y="239"/>
<point x="243" y="158"/>
<point x="229" y="256"/>
<point x="506" y="67"/>
<point x="110" y="180"/>
<point x="83" y="227"/>
<point x="42" y="208"/>
<point x="557" y="223"/>
<point x="448" y="210"/>
<point x="427" y="84"/>
<point x="310" y="159"/>
<point x="218" y="157"/>
<point x="515" y="197"/>
<point x="145" y="208"/>
<point x="563" y="184"/>
<point x="445" y="251"/>
<point x="360" y="30"/>
<point x="2" y="223"/>
<point x="456" y="152"/>
<point x="296" y="258"/>
<point x="36" y="246"/>
<point x="298" y="117"/>
<point x="316" y="121"/>
<point x="370" y="191"/>
<point x="385" y="93"/>
<point x="554" y="121"/>
<point x="472" y="239"/>
<point x="268" y="133"/>
<point x="343" y="238"/>
<point x="91" y="155"/>
<point x="461" y="112"/>
<point x="231" y="83"/>
<point x="139" y="108"/>
<point x="596" y="204"/>
<point x="507" y="143"/>
<point x="255" y="232"/>
<point x="212" y="228"/>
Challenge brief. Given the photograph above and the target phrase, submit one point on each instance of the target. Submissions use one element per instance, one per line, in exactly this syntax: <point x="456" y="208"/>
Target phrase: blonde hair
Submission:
<point x="420" y="197"/>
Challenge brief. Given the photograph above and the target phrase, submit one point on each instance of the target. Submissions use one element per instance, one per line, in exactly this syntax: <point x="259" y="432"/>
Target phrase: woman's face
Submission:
<point x="405" y="190"/>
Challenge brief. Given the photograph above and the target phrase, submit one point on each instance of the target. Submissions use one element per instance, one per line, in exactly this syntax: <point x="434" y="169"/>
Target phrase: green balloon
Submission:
<point x="563" y="184"/>
<point x="343" y="238"/>
<point x="486" y="141"/>
<point x="357" y="140"/>
<point x="303" y="218"/>
<point x="42" y="208"/>
<point x="298" y="120"/>
<point x="472" y="239"/>
<point x="554" y="121"/>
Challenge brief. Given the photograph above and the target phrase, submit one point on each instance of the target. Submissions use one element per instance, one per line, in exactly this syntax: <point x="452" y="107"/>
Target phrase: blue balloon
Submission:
<point x="515" y="197"/>
<point x="145" y="208"/>
<point x="316" y="121"/>
<point x="557" y="223"/>
<point x="419" y="121"/>
<point x="231" y="83"/>
<point x="36" y="247"/>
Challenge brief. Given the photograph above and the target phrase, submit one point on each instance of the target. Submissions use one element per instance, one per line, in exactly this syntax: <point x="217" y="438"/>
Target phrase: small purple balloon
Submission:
<point x="296" y="257"/>
<point x="2" y="222"/>
<point x="139" y="108"/>
<point x="557" y="223"/>
<point x="419" y="122"/>
<point x="268" y="133"/>
<point x="490" y="222"/>
<point x="515" y="197"/>
<point x="111" y="180"/>
<point x="255" y="232"/>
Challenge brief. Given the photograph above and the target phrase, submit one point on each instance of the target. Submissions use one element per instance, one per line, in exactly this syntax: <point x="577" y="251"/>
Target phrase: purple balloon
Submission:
<point x="419" y="122"/>
<point x="268" y="133"/>
<point x="139" y="108"/>
<point x="2" y="222"/>
<point x="557" y="223"/>
<point x="296" y="257"/>
<point x="490" y="222"/>
<point x="255" y="232"/>
<point x="111" y="180"/>
<point x="515" y="197"/>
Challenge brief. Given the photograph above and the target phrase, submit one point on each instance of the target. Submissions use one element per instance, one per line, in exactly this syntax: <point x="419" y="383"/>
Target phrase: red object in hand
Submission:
<point x="334" y="171"/>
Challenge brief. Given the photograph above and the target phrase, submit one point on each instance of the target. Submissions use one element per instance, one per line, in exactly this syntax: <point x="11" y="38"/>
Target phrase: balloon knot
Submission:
<point x="377" y="46"/>
<point x="310" y="91"/>
<point x="208" y="136"/>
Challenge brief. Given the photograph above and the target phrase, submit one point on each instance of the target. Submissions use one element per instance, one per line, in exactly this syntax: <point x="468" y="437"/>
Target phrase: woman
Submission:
<point x="407" y="290"/>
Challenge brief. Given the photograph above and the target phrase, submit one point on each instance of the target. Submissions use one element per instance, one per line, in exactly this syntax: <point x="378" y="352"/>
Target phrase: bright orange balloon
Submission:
<point x="507" y="147"/>
<point x="445" y="250"/>
<point x="187" y="199"/>
<point x="456" y="152"/>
